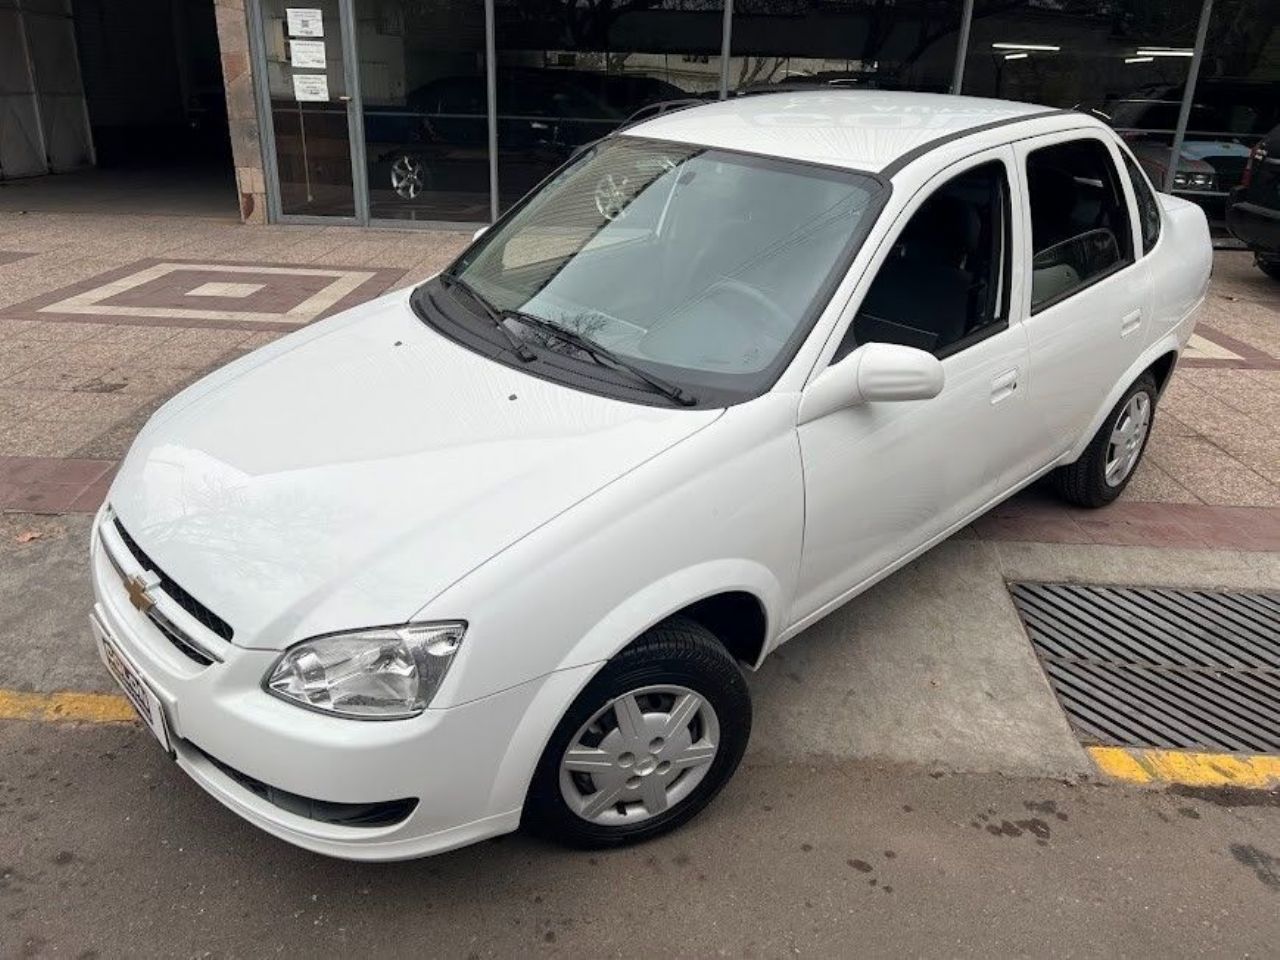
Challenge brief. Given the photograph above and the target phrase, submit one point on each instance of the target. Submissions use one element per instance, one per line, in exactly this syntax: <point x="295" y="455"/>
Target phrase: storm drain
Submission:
<point x="1155" y="667"/>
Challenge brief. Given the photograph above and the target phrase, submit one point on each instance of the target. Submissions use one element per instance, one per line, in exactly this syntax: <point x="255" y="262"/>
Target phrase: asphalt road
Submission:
<point x="106" y="850"/>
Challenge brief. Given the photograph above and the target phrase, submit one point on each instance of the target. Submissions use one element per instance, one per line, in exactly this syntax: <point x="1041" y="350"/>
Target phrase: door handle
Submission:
<point x="1130" y="323"/>
<point x="1004" y="385"/>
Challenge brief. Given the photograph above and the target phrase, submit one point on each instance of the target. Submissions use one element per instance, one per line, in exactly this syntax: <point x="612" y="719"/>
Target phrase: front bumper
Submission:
<point x="467" y="767"/>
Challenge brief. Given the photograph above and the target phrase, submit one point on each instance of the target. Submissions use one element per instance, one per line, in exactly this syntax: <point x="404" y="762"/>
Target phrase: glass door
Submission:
<point x="311" y="106"/>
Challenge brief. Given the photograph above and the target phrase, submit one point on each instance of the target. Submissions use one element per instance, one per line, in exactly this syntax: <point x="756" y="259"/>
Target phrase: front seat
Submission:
<point x="920" y="298"/>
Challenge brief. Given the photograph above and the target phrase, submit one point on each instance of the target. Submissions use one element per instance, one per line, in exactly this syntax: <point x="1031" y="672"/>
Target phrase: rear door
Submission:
<point x="1088" y="296"/>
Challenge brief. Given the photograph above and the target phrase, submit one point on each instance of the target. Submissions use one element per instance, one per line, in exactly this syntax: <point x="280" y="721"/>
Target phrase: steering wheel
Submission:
<point x="761" y="311"/>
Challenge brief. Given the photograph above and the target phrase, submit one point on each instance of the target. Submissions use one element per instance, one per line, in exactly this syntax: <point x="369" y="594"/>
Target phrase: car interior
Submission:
<point x="942" y="280"/>
<point x="1079" y="221"/>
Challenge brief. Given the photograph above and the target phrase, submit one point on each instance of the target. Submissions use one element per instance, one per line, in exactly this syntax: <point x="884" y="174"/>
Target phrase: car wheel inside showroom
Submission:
<point x="500" y="549"/>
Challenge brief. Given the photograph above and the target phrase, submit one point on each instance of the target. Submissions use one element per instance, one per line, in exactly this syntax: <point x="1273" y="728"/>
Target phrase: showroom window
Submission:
<point x="909" y="45"/>
<point x="426" y="116"/>
<point x="379" y="110"/>
<point x="569" y="73"/>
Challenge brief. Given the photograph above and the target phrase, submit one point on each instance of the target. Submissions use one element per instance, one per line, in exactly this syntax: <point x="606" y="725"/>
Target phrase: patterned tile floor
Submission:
<point x="103" y="318"/>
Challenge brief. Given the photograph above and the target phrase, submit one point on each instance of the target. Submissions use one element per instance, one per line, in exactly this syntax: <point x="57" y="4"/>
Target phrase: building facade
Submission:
<point x="438" y="112"/>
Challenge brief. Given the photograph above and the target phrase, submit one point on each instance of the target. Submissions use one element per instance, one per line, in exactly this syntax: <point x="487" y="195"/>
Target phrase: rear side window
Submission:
<point x="1079" y="219"/>
<point x="1148" y="205"/>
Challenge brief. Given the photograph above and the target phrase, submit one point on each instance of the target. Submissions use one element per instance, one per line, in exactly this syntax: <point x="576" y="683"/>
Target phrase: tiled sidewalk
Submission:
<point x="102" y="319"/>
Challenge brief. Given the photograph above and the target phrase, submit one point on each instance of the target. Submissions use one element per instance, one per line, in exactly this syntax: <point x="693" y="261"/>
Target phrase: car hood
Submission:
<point x="348" y="474"/>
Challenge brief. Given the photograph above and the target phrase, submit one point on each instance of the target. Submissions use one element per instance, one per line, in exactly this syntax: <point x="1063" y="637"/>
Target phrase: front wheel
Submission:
<point x="646" y="745"/>
<point x="1268" y="266"/>
<point x="1107" y="464"/>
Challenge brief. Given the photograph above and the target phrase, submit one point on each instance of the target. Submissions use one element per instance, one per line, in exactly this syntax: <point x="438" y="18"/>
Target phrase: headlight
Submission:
<point x="383" y="673"/>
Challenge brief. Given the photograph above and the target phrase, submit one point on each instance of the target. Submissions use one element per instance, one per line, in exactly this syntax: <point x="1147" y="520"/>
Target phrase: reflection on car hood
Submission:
<point x="361" y="468"/>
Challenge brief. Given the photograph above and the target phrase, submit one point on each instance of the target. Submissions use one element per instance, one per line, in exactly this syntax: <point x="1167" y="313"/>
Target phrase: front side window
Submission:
<point x="1079" y="219"/>
<point x="1148" y="205"/>
<point x="943" y="284"/>
<point x="705" y="267"/>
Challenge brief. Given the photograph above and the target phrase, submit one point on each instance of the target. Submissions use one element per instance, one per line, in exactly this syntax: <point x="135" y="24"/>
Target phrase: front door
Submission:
<point x="884" y="479"/>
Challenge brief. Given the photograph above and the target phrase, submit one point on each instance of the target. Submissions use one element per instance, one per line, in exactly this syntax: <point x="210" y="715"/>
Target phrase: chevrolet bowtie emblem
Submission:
<point x="138" y="587"/>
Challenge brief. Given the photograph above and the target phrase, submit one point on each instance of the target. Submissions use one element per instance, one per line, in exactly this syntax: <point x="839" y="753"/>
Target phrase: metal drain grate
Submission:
<point x="1154" y="667"/>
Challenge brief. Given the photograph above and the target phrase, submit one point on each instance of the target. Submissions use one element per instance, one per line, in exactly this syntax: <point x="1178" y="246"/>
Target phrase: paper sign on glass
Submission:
<point x="306" y="53"/>
<point x="310" y="86"/>
<point x="304" y="21"/>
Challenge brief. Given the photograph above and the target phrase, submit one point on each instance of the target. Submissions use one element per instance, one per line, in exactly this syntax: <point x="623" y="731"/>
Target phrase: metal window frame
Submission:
<point x="355" y="110"/>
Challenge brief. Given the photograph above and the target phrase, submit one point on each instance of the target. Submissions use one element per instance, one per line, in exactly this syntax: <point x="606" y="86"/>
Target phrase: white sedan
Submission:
<point x="495" y="551"/>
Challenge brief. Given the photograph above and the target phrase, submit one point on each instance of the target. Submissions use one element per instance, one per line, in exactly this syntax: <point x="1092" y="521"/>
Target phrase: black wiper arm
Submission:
<point x="604" y="355"/>
<point x="521" y="349"/>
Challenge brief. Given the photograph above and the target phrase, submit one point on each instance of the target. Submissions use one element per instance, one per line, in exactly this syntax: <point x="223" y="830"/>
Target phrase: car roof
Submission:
<point x="875" y="131"/>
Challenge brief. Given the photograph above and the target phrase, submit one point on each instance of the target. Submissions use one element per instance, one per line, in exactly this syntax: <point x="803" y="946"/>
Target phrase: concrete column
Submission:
<point x="242" y="114"/>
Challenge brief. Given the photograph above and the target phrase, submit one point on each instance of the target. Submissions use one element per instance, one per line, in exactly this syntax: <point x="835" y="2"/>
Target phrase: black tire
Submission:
<point x="678" y="652"/>
<point x="1270" y="267"/>
<point x="1084" y="482"/>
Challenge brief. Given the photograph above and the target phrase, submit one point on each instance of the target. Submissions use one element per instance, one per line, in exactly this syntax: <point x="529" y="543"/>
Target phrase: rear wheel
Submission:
<point x="1107" y="464"/>
<point x="646" y="745"/>
<point x="1270" y="267"/>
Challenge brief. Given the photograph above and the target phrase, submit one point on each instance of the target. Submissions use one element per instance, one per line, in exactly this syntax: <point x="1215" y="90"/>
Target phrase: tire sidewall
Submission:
<point x="716" y="678"/>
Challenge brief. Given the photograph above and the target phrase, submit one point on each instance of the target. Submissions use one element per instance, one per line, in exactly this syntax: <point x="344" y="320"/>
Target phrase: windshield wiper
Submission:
<point x="603" y="355"/>
<point x="521" y="349"/>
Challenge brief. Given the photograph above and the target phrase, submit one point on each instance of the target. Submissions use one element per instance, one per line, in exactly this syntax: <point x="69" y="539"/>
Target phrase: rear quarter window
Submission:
<point x="1148" y="205"/>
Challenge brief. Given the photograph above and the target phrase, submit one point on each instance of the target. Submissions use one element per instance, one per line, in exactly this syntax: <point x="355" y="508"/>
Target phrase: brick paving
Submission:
<point x="103" y="318"/>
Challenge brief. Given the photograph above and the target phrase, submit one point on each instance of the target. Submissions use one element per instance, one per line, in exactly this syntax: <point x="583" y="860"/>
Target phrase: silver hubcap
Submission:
<point x="640" y="755"/>
<point x="1127" y="438"/>
<point x="407" y="176"/>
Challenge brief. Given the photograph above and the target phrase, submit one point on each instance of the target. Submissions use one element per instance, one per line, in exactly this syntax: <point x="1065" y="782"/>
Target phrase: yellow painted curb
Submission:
<point x="86" y="707"/>
<point x="1144" y="765"/>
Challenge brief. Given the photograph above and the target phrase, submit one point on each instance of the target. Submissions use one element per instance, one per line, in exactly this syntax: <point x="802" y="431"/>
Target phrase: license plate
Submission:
<point x="136" y="691"/>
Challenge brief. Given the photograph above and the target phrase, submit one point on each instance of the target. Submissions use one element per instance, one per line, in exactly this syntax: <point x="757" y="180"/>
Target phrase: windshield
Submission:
<point x="705" y="266"/>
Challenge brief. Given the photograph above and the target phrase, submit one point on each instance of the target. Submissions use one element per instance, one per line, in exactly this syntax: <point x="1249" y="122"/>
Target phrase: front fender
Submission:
<point x="659" y="600"/>
<point x="722" y="511"/>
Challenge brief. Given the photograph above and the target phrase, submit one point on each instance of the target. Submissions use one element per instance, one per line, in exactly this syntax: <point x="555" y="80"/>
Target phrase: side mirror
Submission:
<point x="875" y="372"/>
<point x="479" y="233"/>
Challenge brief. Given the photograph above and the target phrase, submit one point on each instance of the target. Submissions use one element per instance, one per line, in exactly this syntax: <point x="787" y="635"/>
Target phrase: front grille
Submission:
<point x="183" y="599"/>
<point x="383" y="813"/>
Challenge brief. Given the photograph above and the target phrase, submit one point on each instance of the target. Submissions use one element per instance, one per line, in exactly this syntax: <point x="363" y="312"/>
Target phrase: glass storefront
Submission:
<point x="909" y="45"/>
<point x="1118" y="61"/>
<point x="423" y="93"/>
<point x="569" y="73"/>
<point x="403" y="131"/>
